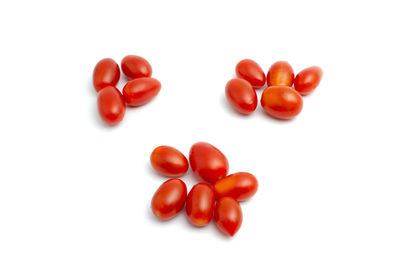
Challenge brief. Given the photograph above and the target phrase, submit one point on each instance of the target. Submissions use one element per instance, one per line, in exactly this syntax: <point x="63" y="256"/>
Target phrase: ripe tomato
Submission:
<point x="169" y="161"/>
<point x="280" y="74"/>
<point x="240" y="186"/>
<point x="241" y="95"/>
<point x="281" y="102"/>
<point x="105" y="73"/>
<point x="250" y="70"/>
<point x="307" y="80"/>
<point x="228" y="215"/>
<point x="111" y="105"/>
<point x="207" y="162"/>
<point x="169" y="199"/>
<point x="141" y="90"/>
<point x="135" y="66"/>
<point x="200" y="204"/>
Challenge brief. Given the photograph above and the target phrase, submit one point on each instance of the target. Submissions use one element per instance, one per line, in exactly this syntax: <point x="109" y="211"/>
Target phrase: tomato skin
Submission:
<point x="240" y="186"/>
<point x="307" y="80"/>
<point x="168" y="161"/>
<point x="241" y="95"/>
<point x="105" y="73"/>
<point x="111" y="105"/>
<point x="139" y="91"/>
<point x="200" y="204"/>
<point x="134" y="66"/>
<point x="281" y="102"/>
<point x="169" y="199"/>
<point x="207" y="162"/>
<point x="228" y="215"/>
<point x="280" y="74"/>
<point x="252" y="72"/>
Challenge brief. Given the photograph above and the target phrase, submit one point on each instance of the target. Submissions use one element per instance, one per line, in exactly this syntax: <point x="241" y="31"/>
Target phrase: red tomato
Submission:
<point x="105" y="73"/>
<point x="307" y="80"/>
<point x="281" y="102"/>
<point x="141" y="90"/>
<point x="207" y="162"/>
<point x="280" y="74"/>
<point x="111" y="105"/>
<point x="200" y="204"/>
<point x="169" y="199"/>
<point x="241" y="95"/>
<point x="228" y="215"/>
<point x="135" y="66"/>
<point x="240" y="186"/>
<point x="250" y="70"/>
<point x="169" y="161"/>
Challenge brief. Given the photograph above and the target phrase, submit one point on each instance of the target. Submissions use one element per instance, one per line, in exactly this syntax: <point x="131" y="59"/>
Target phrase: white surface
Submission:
<point x="74" y="191"/>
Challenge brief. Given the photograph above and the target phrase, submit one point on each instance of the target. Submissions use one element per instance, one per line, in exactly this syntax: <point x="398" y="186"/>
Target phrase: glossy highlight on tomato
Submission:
<point x="280" y="74"/>
<point x="139" y="91"/>
<point x="134" y="66"/>
<point x="250" y="71"/>
<point x="105" y="73"/>
<point x="240" y="186"/>
<point x="200" y="204"/>
<point x="228" y="215"/>
<point x="168" y="161"/>
<point x="281" y="102"/>
<point x="307" y="80"/>
<point x="169" y="199"/>
<point x="241" y="95"/>
<point x="111" y="105"/>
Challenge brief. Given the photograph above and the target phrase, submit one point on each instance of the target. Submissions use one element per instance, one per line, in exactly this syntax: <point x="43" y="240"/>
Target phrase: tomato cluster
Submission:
<point x="217" y="196"/>
<point x="139" y="90"/>
<point x="279" y="99"/>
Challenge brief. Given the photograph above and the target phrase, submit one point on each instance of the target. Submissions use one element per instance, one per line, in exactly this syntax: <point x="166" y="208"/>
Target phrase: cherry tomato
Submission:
<point x="139" y="91"/>
<point x="307" y="80"/>
<point x="105" y="73"/>
<point x="207" y="162"/>
<point x="200" y="204"/>
<point x="135" y="66"/>
<point x="281" y="102"/>
<point x="111" y="105"/>
<point x="169" y="199"/>
<point x="241" y="95"/>
<point x="169" y="161"/>
<point x="240" y="186"/>
<point x="250" y="70"/>
<point x="280" y="74"/>
<point x="228" y="215"/>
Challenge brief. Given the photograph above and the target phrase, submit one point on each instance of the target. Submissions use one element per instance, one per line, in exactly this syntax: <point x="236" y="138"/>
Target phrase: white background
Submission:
<point x="75" y="191"/>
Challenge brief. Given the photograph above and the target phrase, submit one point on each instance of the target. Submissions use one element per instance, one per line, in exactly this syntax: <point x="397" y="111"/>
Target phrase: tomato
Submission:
<point x="250" y="70"/>
<point x="105" y="73"/>
<point x="281" y="102"/>
<point x="307" y="80"/>
<point x="169" y="161"/>
<point x="228" y="215"/>
<point x="240" y="186"/>
<point x="169" y="199"/>
<point x="135" y="66"/>
<point x="200" y="204"/>
<point x="111" y="105"/>
<point x="280" y="74"/>
<point x="241" y="95"/>
<point x="207" y="162"/>
<point x="141" y="90"/>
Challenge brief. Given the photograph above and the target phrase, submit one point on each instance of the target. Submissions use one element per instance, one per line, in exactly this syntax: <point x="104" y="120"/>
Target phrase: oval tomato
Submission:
<point x="228" y="215"/>
<point x="240" y="186"/>
<point x="111" y="105"/>
<point x="169" y="199"/>
<point x="200" y="204"/>
<point x="250" y="70"/>
<point x="105" y="73"/>
<point x="241" y="95"/>
<point x="135" y="66"/>
<point x="281" y="102"/>
<point x="139" y="91"/>
<point x="207" y="162"/>
<point x="307" y="80"/>
<point x="280" y="74"/>
<point x="169" y="161"/>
